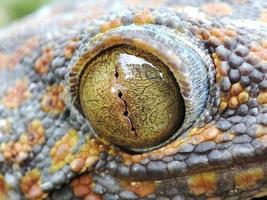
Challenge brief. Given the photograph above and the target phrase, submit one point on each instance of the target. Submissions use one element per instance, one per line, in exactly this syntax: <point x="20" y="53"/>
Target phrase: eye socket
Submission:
<point x="131" y="97"/>
<point x="181" y="73"/>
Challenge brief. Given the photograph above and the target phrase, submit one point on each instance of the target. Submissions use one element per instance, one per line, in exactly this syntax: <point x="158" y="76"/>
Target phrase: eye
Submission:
<point x="140" y="87"/>
<point x="131" y="97"/>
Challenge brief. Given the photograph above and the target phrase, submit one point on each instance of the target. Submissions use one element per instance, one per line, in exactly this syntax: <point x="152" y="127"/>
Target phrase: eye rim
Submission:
<point x="148" y="38"/>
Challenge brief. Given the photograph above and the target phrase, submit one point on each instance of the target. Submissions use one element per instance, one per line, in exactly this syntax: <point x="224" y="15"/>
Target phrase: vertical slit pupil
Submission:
<point x="116" y="74"/>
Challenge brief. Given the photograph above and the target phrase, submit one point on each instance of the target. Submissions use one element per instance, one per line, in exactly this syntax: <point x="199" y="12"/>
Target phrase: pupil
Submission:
<point x="131" y="98"/>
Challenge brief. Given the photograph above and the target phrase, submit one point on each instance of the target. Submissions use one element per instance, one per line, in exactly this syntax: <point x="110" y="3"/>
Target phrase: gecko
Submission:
<point x="135" y="99"/>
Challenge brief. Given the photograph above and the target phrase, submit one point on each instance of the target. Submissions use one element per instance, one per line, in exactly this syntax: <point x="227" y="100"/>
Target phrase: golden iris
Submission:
<point x="130" y="97"/>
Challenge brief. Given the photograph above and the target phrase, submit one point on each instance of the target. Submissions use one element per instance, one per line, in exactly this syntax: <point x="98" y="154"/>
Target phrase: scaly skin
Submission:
<point x="48" y="149"/>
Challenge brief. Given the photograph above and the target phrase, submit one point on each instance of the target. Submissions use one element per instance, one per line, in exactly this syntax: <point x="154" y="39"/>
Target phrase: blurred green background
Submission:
<point x="14" y="9"/>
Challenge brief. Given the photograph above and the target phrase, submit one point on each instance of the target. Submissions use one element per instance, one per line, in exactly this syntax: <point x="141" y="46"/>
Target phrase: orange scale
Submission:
<point x="136" y="158"/>
<point x="142" y="189"/>
<point x="77" y="164"/>
<point x="69" y="51"/>
<point x="17" y="146"/>
<point x="61" y="151"/>
<point x="90" y="161"/>
<point x="105" y="27"/>
<point x="115" y="23"/>
<point x="230" y="33"/>
<point x="128" y="162"/>
<point x="83" y="153"/>
<point x="236" y="89"/>
<point x="197" y="139"/>
<point x="85" y="180"/>
<point x="233" y="102"/>
<point x="223" y="106"/>
<point x="144" y="17"/>
<point x="92" y="196"/>
<point x="42" y="64"/>
<point x="263" y="43"/>
<point x="94" y="151"/>
<point x="74" y="182"/>
<point x="262" y="98"/>
<point x="30" y="185"/>
<point x="81" y="186"/>
<point x="261" y="131"/>
<point x="205" y="183"/>
<point x="36" y="133"/>
<point x="243" y="97"/>
<point x="217" y="32"/>
<point x="200" y="37"/>
<point x="263" y="54"/>
<point x="3" y="188"/>
<point x="52" y="102"/>
<point x="230" y="136"/>
<point x="157" y="155"/>
<point x="257" y="55"/>
<point x="219" y="138"/>
<point x="170" y="151"/>
<point x="204" y="33"/>
<point x="255" y="46"/>
<point x="214" y="40"/>
<point x="211" y="133"/>
<point x="81" y="191"/>
<point x="26" y="148"/>
<point x="247" y="179"/>
<point x="35" y="192"/>
<point x="17" y="94"/>
<point x="21" y="156"/>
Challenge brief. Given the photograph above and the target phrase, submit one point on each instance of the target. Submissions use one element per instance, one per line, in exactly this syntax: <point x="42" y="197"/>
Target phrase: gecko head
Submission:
<point x="166" y="99"/>
<point x="141" y="85"/>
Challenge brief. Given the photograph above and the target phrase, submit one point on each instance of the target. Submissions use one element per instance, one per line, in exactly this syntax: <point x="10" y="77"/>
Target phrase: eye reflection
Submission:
<point x="131" y="98"/>
<point x="134" y="67"/>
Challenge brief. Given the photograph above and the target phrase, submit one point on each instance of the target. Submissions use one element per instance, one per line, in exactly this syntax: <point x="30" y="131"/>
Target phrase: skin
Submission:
<point x="216" y="53"/>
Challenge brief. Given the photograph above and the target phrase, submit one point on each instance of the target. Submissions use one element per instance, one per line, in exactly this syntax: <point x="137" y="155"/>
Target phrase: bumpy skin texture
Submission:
<point x="48" y="149"/>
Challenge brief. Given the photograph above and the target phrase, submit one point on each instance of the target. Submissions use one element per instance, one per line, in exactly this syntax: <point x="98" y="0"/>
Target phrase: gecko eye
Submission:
<point x="140" y="87"/>
<point x="131" y="97"/>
